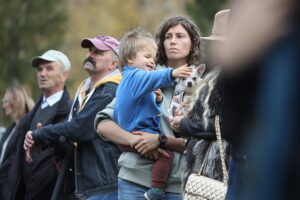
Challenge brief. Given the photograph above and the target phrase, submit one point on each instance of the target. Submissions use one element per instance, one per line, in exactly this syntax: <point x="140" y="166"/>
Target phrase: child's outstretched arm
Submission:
<point x="182" y="72"/>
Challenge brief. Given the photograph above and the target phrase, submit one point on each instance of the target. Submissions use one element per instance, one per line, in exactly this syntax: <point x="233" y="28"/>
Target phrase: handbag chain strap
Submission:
<point x="221" y="149"/>
<point x="222" y="154"/>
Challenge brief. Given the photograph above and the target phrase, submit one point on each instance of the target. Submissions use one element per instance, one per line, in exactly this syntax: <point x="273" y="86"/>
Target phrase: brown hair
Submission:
<point x="20" y="99"/>
<point x="195" y="55"/>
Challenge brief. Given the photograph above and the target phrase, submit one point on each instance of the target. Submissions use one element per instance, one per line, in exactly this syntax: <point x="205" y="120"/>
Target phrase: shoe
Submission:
<point x="151" y="195"/>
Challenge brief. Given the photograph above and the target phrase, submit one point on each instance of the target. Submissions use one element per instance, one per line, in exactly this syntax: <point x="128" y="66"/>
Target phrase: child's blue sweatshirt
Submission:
<point x="136" y="109"/>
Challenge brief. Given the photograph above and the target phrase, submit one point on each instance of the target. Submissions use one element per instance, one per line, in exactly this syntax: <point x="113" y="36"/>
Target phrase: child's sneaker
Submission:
<point x="152" y="195"/>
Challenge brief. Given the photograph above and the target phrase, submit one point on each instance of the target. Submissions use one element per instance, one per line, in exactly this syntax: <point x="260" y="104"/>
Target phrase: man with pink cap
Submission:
<point x="96" y="166"/>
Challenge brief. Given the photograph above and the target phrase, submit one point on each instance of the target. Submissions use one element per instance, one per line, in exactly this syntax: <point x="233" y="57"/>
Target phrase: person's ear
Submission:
<point x="64" y="76"/>
<point x="115" y="62"/>
<point x="129" y="60"/>
<point x="114" y="65"/>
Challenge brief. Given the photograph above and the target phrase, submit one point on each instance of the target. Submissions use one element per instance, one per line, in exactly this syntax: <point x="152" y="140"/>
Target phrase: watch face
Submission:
<point x="163" y="138"/>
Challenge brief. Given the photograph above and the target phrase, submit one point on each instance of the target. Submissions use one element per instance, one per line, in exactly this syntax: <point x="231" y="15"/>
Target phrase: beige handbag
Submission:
<point x="199" y="187"/>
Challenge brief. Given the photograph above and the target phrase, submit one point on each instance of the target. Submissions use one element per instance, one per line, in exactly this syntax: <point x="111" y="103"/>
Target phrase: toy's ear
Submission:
<point x="201" y="69"/>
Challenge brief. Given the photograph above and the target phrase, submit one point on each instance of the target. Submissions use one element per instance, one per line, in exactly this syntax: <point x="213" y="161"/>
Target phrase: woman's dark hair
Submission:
<point x="195" y="55"/>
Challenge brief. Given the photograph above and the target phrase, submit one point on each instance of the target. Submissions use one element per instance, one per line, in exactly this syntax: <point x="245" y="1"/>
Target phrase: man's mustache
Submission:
<point x="43" y="79"/>
<point x="89" y="60"/>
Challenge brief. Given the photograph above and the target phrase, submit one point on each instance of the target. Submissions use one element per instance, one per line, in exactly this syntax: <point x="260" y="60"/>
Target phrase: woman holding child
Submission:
<point x="208" y="102"/>
<point x="178" y="44"/>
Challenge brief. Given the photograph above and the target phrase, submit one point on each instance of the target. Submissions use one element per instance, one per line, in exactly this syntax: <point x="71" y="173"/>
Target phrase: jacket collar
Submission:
<point x="83" y="96"/>
<point x="113" y="77"/>
<point x="61" y="106"/>
<point x="61" y="109"/>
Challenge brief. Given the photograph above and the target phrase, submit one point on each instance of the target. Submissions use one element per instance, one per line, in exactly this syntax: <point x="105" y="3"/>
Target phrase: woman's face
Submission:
<point x="7" y="105"/>
<point x="177" y="44"/>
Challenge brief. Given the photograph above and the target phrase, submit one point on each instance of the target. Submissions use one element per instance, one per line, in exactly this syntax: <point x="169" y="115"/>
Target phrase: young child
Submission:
<point x="136" y="108"/>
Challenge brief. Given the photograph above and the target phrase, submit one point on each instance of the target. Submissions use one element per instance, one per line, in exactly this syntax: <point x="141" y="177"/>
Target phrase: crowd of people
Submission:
<point x="116" y="139"/>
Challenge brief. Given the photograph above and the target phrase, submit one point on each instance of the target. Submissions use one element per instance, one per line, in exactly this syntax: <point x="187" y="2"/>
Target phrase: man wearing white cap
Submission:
<point x="96" y="165"/>
<point x="52" y="71"/>
<point x="36" y="180"/>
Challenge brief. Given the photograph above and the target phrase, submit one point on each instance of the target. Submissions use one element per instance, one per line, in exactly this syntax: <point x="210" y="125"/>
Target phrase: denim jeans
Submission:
<point x="111" y="196"/>
<point x="129" y="190"/>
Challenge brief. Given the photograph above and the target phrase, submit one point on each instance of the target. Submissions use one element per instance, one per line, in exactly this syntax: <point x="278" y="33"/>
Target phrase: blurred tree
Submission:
<point x="27" y="29"/>
<point x="203" y="12"/>
<point x="89" y="18"/>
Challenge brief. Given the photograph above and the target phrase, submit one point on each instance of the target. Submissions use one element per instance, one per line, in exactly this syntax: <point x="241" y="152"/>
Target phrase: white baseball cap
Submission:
<point x="52" y="56"/>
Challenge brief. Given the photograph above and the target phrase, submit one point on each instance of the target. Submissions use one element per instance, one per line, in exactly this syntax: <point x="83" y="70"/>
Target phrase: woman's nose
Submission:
<point x="173" y="40"/>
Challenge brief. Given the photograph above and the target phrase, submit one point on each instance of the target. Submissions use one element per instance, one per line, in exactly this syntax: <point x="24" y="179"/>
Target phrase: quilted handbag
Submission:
<point x="199" y="187"/>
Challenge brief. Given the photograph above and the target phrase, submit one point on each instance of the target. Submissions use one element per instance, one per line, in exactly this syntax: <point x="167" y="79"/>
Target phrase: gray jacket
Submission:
<point x="136" y="168"/>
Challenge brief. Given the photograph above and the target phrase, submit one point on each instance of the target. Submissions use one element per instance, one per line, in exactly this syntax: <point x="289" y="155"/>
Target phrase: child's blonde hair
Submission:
<point x="133" y="42"/>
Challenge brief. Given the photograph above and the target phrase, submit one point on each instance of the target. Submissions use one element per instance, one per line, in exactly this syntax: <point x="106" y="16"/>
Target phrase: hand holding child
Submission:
<point x="154" y="155"/>
<point x="147" y="142"/>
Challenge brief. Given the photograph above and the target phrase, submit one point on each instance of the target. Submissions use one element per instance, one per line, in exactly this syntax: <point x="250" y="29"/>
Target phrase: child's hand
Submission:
<point x="158" y="95"/>
<point x="182" y="72"/>
<point x="175" y="123"/>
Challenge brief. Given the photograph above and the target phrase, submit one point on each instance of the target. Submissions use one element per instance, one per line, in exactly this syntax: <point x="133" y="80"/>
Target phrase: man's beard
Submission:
<point x="89" y="63"/>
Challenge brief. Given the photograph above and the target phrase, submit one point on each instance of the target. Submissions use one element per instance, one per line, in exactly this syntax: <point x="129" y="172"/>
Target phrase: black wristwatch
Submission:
<point x="162" y="138"/>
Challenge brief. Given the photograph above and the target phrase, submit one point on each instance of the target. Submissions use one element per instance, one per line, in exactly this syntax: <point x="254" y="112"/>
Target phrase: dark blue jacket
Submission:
<point x="96" y="160"/>
<point x="44" y="172"/>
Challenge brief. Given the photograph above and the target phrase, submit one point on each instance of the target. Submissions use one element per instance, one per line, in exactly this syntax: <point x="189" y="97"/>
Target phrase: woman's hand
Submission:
<point x="153" y="155"/>
<point x="175" y="123"/>
<point x="146" y="142"/>
<point x="134" y="139"/>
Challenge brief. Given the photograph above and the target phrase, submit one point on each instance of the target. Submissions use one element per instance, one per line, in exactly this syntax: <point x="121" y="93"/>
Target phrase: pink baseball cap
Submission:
<point x="102" y="42"/>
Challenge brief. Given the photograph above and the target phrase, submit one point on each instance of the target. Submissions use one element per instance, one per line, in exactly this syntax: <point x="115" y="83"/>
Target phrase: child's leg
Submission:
<point x="125" y="148"/>
<point x="161" y="169"/>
